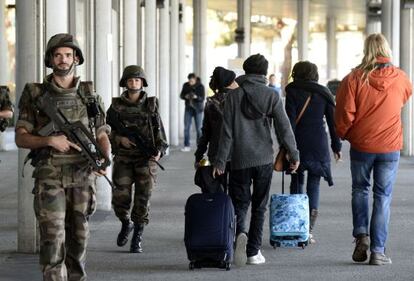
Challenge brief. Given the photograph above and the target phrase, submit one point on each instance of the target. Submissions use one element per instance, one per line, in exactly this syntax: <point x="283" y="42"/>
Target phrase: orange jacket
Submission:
<point x="368" y="115"/>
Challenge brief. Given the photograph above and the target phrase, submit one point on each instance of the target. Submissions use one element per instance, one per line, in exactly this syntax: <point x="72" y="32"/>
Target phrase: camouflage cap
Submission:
<point x="133" y="71"/>
<point x="62" y="40"/>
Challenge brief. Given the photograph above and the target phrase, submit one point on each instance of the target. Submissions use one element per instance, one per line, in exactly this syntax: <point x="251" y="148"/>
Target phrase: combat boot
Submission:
<point x="136" y="240"/>
<point x="313" y="217"/>
<point x="126" y="228"/>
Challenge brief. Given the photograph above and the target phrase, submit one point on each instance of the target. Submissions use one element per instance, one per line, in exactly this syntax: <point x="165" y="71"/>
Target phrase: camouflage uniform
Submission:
<point x="5" y="104"/>
<point x="64" y="191"/>
<point x="131" y="166"/>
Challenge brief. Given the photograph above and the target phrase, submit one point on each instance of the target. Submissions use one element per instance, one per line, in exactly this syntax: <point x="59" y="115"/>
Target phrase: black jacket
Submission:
<point x="310" y="132"/>
<point x="189" y="91"/>
<point x="212" y="123"/>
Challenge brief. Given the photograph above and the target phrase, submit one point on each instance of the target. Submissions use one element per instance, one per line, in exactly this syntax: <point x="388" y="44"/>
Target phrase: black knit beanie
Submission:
<point x="221" y="78"/>
<point x="256" y="64"/>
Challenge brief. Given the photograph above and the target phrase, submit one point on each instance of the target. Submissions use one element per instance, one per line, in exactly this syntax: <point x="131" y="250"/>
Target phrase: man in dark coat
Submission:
<point x="193" y="93"/>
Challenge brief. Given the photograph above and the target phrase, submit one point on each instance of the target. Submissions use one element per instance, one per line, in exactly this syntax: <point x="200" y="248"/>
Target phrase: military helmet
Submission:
<point x="133" y="71"/>
<point x="62" y="40"/>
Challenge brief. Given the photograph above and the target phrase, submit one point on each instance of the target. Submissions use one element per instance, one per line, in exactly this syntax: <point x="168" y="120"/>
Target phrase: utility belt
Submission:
<point x="43" y="155"/>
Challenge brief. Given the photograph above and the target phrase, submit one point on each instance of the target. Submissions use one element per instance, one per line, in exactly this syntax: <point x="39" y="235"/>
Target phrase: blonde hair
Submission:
<point x="375" y="46"/>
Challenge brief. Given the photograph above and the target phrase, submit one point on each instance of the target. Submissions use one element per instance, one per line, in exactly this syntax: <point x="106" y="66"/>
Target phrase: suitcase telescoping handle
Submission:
<point x="283" y="182"/>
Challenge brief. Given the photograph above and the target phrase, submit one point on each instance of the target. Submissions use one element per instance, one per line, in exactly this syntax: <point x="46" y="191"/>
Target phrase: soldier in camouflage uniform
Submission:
<point x="6" y="108"/>
<point x="64" y="191"/>
<point x="132" y="163"/>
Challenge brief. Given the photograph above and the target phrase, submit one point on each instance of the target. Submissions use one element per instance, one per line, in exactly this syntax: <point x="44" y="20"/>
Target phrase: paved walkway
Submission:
<point x="165" y="258"/>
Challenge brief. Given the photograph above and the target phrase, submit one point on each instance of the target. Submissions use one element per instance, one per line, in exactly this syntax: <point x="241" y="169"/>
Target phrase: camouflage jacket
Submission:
<point x="142" y="116"/>
<point x="72" y="102"/>
<point x="5" y="104"/>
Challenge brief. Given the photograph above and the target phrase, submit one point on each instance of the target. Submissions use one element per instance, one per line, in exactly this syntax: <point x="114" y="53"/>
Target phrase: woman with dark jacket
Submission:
<point x="310" y="133"/>
<point x="221" y="82"/>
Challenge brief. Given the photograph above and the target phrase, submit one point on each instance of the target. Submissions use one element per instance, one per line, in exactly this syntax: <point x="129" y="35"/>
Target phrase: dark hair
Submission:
<point x="256" y="64"/>
<point x="272" y="75"/>
<point x="305" y="70"/>
<point x="191" y="75"/>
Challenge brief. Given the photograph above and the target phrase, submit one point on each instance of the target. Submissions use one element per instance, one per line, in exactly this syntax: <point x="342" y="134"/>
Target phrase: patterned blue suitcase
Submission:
<point x="289" y="219"/>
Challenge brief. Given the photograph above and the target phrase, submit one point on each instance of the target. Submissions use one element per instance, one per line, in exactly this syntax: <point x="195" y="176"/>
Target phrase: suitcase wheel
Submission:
<point x="274" y="244"/>
<point x="191" y="266"/>
<point x="303" y="245"/>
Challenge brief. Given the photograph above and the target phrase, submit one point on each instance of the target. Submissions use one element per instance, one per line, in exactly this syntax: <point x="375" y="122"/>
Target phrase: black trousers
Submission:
<point x="242" y="195"/>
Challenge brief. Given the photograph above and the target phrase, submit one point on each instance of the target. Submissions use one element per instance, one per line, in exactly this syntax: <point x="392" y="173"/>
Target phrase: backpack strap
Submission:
<point x="86" y="91"/>
<point x="152" y="104"/>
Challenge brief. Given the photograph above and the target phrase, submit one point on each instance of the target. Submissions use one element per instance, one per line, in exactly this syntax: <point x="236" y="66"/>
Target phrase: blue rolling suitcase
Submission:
<point x="289" y="219"/>
<point x="209" y="230"/>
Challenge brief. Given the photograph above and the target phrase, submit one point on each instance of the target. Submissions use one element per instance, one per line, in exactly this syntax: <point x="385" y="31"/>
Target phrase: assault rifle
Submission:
<point x="132" y="133"/>
<point x="76" y="132"/>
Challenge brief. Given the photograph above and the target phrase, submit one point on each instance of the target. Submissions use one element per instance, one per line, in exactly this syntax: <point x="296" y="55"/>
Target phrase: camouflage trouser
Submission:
<point x="63" y="202"/>
<point x="124" y="175"/>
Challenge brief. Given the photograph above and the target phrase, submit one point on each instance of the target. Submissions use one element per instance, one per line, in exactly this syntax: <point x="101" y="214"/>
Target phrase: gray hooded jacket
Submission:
<point x="248" y="140"/>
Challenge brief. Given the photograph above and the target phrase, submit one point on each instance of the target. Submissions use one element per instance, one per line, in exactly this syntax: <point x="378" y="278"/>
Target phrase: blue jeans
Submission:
<point x="189" y="114"/>
<point x="312" y="187"/>
<point x="384" y="167"/>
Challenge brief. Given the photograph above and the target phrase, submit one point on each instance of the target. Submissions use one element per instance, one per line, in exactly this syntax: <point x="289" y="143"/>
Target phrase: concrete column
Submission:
<point x="164" y="66"/>
<point x="175" y="64"/>
<point x="243" y="31"/>
<point x="303" y="28"/>
<point x="373" y="17"/>
<point x="57" y="17"/>
<point x="130" y="32"/>
<point x="200" y="39"/>
<point x="182" y="76"/>
<point x="332" y="47"/>
<point x="103" y="84"/>
<point x="151" y="46"/>
<point x="407" y="64"/>
<point x="29" y="66"/>
<point x="4" y="75"/>
<point x="390" y="26"/>
<point x="140" y="35"/>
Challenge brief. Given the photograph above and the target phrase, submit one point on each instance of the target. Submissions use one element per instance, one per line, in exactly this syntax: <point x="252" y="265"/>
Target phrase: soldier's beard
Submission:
<point x="63" y="72"/>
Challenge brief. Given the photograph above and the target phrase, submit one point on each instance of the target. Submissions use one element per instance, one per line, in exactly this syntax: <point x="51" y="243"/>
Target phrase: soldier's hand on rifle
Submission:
<point x="127" y="143"/>
<point x="62" y="144"/>
<point x="157" y="157"/>
<point x="100" y="172"/>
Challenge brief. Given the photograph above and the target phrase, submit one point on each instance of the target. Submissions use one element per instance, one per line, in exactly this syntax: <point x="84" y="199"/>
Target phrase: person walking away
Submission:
<point x="246" y="135"/>
<point x="368" y="114"/>
<point x="134" y="117"/>
<point x="316" y="102"/>
<point x="221" y="82"/>
<point x="193" y="93"/>
<point x="64" y="189"/>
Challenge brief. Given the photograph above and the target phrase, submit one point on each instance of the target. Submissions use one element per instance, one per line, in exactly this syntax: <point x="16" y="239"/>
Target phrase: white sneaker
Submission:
<point x="186" y="149"/>
<point x="240" y="256"/>
<point x="257" y="259"/>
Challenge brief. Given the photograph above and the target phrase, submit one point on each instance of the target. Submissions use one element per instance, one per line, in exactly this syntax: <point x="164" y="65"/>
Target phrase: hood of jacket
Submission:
<point x="382" y="78"/>
<point x="255" y="88"/>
